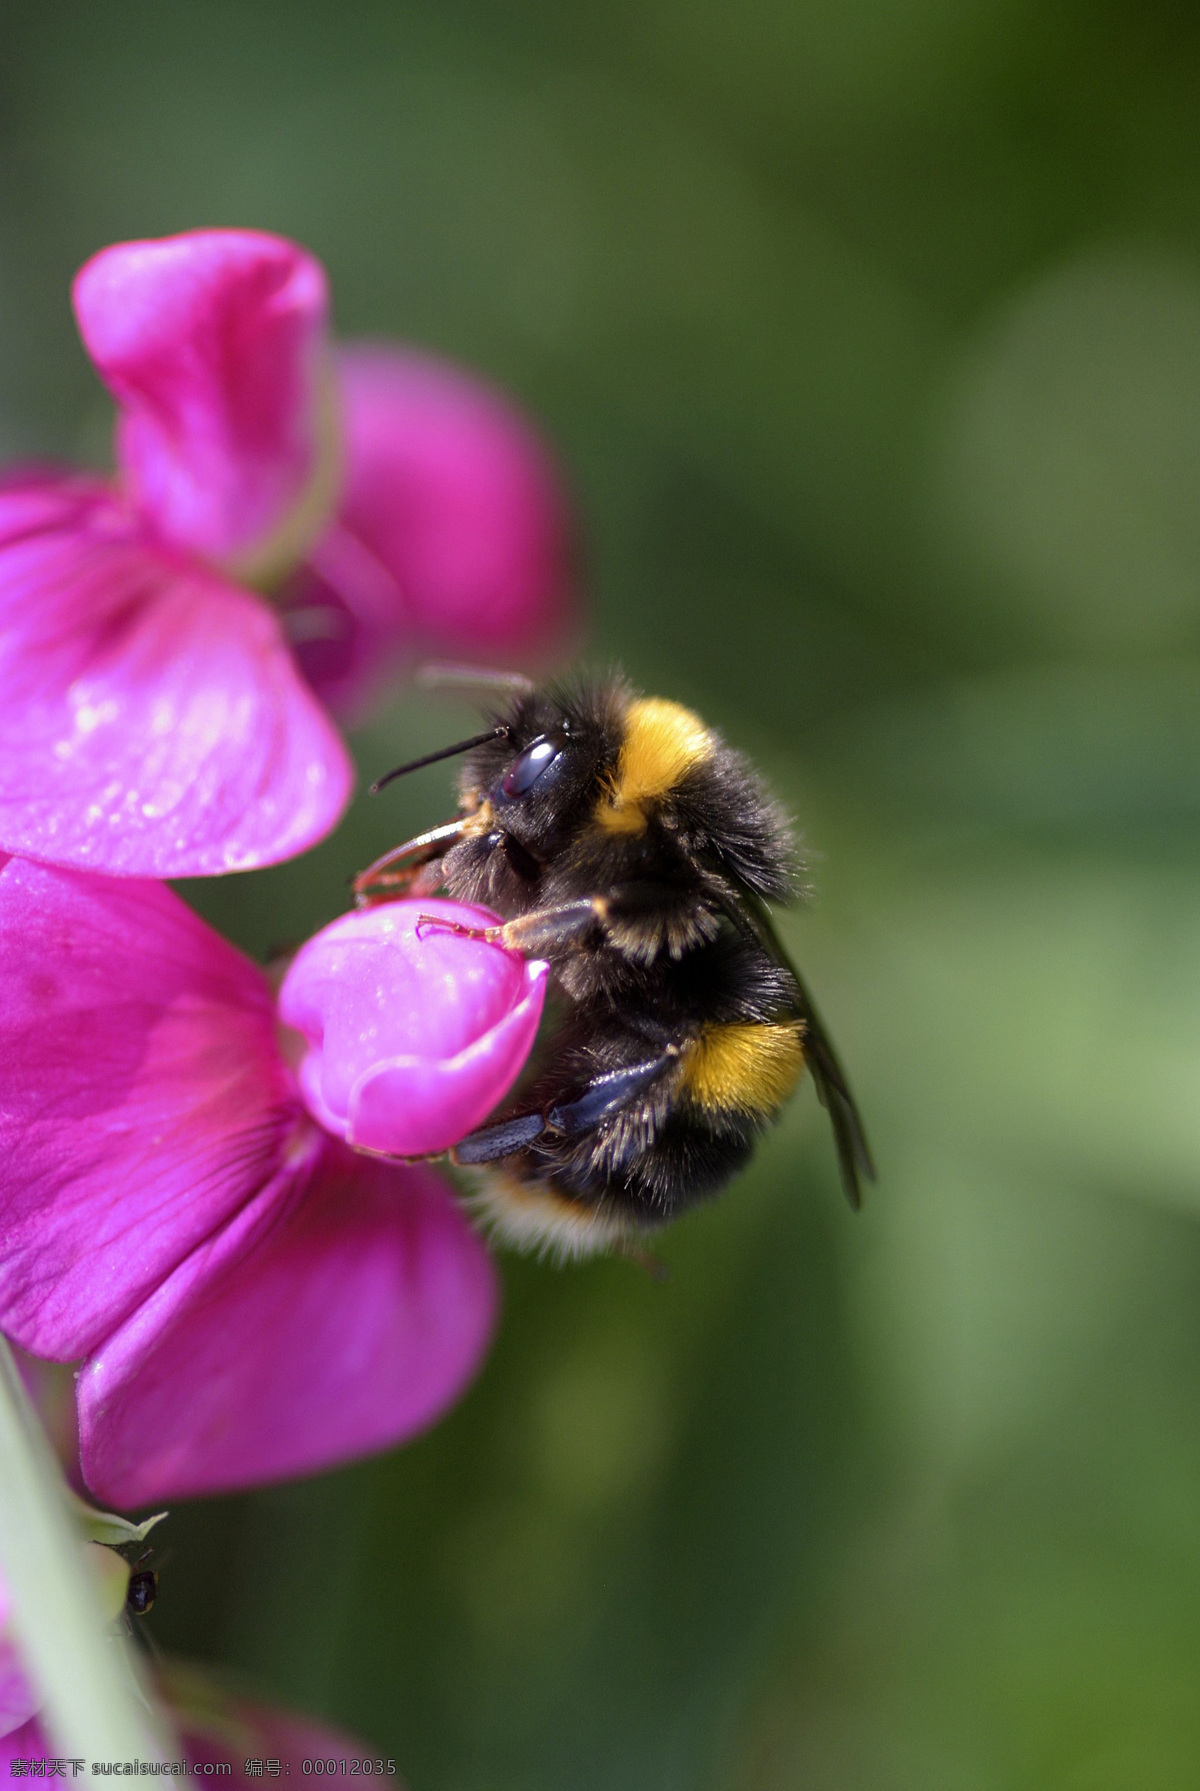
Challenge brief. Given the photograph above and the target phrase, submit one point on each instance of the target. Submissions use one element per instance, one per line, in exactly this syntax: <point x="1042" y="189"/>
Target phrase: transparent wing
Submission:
<point x="855" y="1162"/>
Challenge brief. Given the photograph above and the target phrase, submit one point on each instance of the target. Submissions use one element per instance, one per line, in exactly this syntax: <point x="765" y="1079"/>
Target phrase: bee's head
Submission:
<point x="539" y="774"/>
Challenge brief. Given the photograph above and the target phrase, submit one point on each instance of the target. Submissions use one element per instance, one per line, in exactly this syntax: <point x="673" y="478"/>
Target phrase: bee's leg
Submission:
<point x="636" y="918"/>
<point x="391" y="876"/>
<point x="629" y="905"/>
<point x="651" y="1265"/>
<point x="545" y="927"/>
<point x="609" y="1093"/>
<point x="490" y="1142"/>
<point x="418" y="880"/>
<point x="600" y="1099"/>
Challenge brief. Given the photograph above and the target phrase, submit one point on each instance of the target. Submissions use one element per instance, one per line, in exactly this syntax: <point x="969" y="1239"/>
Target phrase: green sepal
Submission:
<point x="106" y="1526"/>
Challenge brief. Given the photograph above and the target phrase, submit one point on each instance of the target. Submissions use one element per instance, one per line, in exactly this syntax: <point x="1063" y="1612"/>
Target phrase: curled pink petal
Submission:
<point x="452" y="534"/>
<point x="410" y="1106"/>
<point x="354" y="1319"/>
<point x="414" y="1033"/>
<point x="142" y="1097"/>
<point x="213" y="345"/>
<point x="152" y="719"/>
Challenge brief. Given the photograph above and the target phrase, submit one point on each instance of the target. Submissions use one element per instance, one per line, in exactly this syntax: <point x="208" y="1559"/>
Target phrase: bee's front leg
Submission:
<point x="543" y="930"/>
<point x="399" y="871"/>
<point x="638" y="919"/>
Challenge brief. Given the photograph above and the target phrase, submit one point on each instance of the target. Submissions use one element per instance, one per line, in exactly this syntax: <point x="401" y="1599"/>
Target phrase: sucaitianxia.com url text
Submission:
<point x="35" y="1768"/>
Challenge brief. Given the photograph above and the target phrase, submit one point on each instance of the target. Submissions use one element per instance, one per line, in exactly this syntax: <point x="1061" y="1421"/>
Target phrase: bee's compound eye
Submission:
<point x="532" y="764"/>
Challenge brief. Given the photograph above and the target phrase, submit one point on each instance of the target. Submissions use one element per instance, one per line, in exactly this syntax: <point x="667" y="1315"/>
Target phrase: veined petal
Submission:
<point x="152" y="720"/>
<point x="452" y="534"/>
<point x="213" y="344"/>
<point x="351" y="1322"/>
<point x="143" y="1101"/>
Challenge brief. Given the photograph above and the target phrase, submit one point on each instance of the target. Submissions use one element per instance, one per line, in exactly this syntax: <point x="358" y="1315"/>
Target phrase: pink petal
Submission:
<point x="414" y="1034"/>
<point x="143" y="1100"/>
<point x="212" y="343"/>
<point x="453" y="534"/>
<point x="218" y="1728"/>
<point x="409" y="1106"/>
<point x="349" y="624"/>
<point x="152" y="721"/>
<point x="234" y="1733"/>
<point x="30" y="1740"/>
<point x="18" y="1700"/>
<point x="350" y="1324"/>
<point x="262" y="1733"/>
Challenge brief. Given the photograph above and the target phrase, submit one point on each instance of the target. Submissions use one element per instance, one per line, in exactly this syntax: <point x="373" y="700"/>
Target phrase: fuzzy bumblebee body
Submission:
<point x="625" y="842"/>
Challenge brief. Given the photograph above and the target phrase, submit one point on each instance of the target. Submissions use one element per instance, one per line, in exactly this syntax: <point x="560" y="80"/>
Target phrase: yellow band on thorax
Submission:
<point x="663" y="741"/>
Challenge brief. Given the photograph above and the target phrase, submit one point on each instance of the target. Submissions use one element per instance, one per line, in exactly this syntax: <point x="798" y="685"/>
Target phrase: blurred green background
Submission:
<point x="870" y="336"/>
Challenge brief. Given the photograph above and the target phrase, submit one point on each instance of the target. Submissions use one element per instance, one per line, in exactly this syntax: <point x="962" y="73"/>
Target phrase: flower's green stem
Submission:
<point x="93" y="1704"/>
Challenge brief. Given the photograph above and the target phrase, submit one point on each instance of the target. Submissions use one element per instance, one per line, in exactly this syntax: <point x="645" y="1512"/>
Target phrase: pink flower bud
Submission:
<point x="414" y="1033"/>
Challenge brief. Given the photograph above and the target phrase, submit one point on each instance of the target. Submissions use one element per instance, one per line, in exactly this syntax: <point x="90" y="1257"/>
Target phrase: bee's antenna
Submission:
<point x="440" y="675"/>
<point x="502" y="732"/>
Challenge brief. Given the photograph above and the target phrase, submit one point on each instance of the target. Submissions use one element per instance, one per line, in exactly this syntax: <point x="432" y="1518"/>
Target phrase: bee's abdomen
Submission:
<point x="568" y="1201"/>
<point x="743" y="1067"/>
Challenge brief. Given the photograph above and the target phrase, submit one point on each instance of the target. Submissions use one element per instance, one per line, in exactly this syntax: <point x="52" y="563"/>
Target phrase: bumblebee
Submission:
<point x="622" y="840"/>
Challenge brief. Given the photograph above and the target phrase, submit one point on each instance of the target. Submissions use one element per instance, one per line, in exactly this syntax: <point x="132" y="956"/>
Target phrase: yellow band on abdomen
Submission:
<point x="744" y="1067"/>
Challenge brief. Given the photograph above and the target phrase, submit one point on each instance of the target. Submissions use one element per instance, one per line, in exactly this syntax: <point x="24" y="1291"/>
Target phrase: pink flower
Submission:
<point x="153" y="718"/>
<point x="251" y="1298"/>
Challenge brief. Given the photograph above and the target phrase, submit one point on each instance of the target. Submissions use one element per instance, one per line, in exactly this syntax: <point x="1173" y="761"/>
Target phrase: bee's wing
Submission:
<point x="853" y="1152"/>
<point x="833" y="1090"/>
